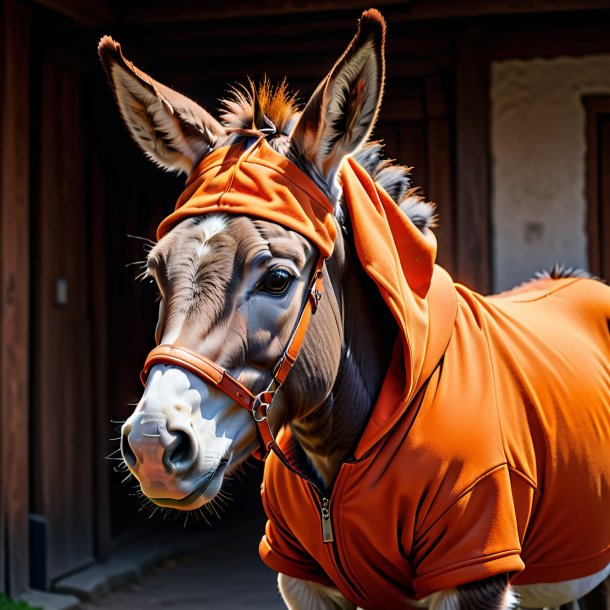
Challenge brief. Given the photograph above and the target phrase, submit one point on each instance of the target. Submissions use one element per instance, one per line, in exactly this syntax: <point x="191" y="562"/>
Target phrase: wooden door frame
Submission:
<point x="472" y="165"/>
<point x="594" y="107"/>
<point x="15" y="286"/>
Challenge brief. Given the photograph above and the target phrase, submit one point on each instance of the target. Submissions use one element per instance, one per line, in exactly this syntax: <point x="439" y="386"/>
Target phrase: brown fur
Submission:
<point x="329" y="394"/>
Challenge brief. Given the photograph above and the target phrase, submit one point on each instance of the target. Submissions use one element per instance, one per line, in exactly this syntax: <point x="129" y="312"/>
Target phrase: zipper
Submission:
<point x="327" y="526"/>
<point x="324" y="510"/>
<point x="328" y="536"/>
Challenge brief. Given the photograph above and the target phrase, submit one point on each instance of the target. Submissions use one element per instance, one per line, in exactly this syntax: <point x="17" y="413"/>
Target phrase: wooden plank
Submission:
<point x="412" y="152"/>
<point x="91" y="13"/>
<point x="439" y="163"/>
<point x="101" y="444"/>
<point x="598" y="183"/>
<point x="191" y="10"/>
<point x="405" y="143"/>
<point x="604" y="208"/>
<point x="593" y="107"/>
<point x="15" y="278"/>
<point x="530" y="43"/>
<point x="406" y="10"/>
<point x="401" y="109"/>
<point x="472" y="210"/>
<point x="420" y="10"/>
<point x="315" y="68"/>
<point x="235" y="42"/>
<point x="63" y="405"/>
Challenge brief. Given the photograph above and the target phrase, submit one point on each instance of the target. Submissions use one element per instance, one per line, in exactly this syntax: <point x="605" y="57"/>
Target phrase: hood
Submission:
<point x="399" y="258"/>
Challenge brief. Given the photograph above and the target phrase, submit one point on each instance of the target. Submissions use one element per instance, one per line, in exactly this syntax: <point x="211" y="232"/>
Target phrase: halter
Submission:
<point x="258" y="404"/>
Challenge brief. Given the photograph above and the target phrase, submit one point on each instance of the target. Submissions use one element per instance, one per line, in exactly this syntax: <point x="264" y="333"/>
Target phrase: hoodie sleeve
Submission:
<point x="474" y="538"/>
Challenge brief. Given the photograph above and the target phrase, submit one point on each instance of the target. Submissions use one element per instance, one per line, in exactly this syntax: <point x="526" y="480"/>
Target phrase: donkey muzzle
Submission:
<point x="149" y="448"/>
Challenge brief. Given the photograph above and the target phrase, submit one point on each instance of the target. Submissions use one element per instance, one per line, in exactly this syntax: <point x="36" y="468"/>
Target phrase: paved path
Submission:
<point x="222" y="571"/>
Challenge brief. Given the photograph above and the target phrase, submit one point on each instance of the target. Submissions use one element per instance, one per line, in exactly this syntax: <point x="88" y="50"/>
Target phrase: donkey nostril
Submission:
<point x="128" y="455"/>
<point x="182" y="447"/>
<point x="181" y="453"/>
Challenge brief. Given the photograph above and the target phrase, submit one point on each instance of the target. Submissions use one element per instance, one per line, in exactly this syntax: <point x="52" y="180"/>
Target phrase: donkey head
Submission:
<point x="232" y="286"/>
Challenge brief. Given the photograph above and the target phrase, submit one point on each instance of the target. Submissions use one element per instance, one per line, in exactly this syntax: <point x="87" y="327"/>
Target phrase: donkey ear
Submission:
<point x="341" y="113"/>
<point x="171" y="129"/>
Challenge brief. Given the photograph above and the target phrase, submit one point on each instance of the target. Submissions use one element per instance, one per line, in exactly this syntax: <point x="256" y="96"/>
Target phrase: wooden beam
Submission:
<point x="195" y="10"/>
<point x="423" y="10"/>
<point x="99" y="359"/>
<point x="400" y="10"/>
<point x="597" y="110"/>
<point x="440" y="178"/>
<point x="472" y="211"/>
<point x="93" y="13"/>
<point x="401" y="109"/>
<point x="63" y="476"/>
<point x="14" y="282"/>
<point x="573" y="41"/>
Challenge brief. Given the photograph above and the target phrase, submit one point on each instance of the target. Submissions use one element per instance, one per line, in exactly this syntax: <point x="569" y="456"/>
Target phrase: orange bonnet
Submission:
<point x="261" y="183"/>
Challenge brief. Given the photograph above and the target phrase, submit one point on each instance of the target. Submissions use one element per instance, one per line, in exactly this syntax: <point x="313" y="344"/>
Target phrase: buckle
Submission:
<point x="314" y="294"/>
<point x="260" y="406"/>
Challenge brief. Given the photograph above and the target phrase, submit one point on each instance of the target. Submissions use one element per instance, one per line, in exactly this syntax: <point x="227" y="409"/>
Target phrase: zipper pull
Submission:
<point x="327" y="528"/>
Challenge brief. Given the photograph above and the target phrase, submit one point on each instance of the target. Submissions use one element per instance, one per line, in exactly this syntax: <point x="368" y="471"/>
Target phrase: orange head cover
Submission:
<point x="260" y="183"/>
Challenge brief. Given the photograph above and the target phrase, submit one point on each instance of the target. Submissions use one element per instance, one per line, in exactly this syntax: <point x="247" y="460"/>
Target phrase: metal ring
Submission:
<point x="255" y="410"/>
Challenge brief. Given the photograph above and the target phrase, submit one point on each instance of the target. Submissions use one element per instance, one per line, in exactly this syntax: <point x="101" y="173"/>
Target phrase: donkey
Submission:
<point x="418" y="450"/>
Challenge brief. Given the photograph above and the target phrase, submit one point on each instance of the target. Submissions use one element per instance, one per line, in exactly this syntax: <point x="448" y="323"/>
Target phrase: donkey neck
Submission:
<point x="330" y="433"/>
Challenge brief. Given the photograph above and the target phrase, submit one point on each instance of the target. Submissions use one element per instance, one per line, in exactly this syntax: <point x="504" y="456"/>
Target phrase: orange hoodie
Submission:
<point x="488" y="450"/>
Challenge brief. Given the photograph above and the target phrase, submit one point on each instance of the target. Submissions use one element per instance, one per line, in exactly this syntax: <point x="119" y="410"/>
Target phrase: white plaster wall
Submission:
<point x="538" y="163"/>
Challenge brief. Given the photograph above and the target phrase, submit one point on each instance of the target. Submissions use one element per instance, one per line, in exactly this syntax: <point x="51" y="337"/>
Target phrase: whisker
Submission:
<point x="146" y="239"/>
<point x="142" y="263"/>
<point x="142" y="276"/>
<point x="204" y="517"/>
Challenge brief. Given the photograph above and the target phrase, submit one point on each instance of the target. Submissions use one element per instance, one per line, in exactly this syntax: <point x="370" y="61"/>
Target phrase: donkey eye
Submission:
<point x="276" y="281"/>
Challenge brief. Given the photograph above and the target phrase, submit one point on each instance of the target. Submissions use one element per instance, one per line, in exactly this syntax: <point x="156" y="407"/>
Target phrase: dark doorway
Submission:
<point x="598" y="184"/>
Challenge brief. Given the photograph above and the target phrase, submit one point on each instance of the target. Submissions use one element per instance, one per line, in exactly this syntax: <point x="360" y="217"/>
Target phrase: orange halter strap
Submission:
<point x="258" y="404"/>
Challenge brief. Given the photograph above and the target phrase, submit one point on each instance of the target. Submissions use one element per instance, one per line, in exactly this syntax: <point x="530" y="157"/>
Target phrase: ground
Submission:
<point x="222" y="572"/>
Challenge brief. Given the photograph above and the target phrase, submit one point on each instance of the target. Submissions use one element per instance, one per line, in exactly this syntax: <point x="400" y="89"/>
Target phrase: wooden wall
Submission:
<point x="472" y="230"/>
<point x="15" y="295"/>
<point x="598" y="184"/>
<point x="63" y="407"/>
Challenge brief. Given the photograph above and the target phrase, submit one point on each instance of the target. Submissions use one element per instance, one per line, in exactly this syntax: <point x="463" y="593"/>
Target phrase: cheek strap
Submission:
<point x="258" y="404"/>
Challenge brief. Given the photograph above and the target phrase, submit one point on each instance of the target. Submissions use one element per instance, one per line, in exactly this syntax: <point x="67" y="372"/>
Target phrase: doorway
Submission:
<point x="598" y="184"/>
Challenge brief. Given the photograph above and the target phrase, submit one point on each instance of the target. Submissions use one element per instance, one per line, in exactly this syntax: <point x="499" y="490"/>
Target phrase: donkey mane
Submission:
<point x="260" y="107"/>
<point x="275" y="109"/>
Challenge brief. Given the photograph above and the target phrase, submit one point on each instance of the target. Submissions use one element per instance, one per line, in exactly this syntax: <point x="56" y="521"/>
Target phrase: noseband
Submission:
<point x="258" y="404"/>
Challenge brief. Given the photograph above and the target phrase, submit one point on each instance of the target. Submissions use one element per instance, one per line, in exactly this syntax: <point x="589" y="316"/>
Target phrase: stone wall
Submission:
<point x="538" y="162"/>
